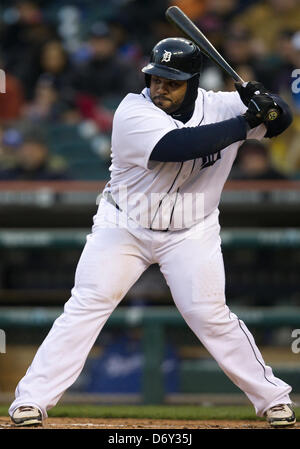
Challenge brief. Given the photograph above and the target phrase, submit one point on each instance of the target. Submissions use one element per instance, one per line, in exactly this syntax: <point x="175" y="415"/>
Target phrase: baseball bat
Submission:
<point x="177" y="17"/>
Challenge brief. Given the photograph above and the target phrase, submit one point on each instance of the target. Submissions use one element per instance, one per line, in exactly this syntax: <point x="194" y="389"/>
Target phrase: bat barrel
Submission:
<point x="187" y="27"/>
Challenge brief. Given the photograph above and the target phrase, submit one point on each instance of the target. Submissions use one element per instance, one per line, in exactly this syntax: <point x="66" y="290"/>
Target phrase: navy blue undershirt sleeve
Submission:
<point x="184" y="144"/>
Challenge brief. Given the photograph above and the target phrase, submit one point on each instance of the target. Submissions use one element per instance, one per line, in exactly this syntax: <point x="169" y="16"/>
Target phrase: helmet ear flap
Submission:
<point x="147" y="79"/>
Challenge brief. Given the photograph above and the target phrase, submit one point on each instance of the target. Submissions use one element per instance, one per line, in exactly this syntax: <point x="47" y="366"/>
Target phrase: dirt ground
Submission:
<point x="100" y="423"/>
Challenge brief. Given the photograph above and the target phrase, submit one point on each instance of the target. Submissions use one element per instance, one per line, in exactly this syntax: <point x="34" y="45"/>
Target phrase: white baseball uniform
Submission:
<point x="154" y="224"/>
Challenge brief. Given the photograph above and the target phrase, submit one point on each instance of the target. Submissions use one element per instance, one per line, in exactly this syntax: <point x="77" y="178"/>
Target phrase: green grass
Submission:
<point x="156" y="412"/>
<point x="185" y="412"/>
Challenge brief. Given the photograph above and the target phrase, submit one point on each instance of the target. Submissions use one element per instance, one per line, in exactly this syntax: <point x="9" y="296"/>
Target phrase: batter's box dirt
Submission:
<point x="100" y="423"/>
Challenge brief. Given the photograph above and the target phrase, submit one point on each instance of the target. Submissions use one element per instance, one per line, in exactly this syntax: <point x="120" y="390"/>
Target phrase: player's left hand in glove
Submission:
<point x="247" y="91"/>
<point x="259" y="110"/>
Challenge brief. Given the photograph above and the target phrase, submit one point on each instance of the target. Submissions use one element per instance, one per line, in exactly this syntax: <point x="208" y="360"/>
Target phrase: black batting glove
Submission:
<point x="259" y="107"/>
<point x="249" y="90"/>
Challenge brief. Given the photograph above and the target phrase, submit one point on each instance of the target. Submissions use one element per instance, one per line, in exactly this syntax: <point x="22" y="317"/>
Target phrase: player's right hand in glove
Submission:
<point x="258" y="109"/>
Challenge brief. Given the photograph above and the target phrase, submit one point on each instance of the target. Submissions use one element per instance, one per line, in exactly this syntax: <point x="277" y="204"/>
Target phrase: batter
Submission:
<point x="173" y="146"/>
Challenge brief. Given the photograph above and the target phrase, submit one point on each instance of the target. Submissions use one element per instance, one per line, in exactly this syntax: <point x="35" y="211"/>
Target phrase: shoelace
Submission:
<point x="26" y="408"/>
<point x="278" y="408"/>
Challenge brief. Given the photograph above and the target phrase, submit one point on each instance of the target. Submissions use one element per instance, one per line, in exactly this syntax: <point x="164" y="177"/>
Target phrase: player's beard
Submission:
<point x="181" y="110"/>
<point x="166" y="104"/>
<point x="185" y="109"/>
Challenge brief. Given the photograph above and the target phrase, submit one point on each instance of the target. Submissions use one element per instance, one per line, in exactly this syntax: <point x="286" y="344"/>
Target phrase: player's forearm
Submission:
<point x="185" y="144"/>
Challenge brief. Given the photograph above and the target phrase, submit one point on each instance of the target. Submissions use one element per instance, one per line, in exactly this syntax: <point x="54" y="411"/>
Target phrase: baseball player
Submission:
<point x="173" y="146"/>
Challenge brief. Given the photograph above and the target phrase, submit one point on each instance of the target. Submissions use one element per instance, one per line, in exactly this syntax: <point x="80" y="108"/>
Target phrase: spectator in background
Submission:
<point x="266" y="19"/>
<point x="33" y="162"/>
<point x="128" y="48"/>
<point x="21" y="41"/>
<point x="48" y="105"/>
<point x="54" y="61"/>
<point x="10" y="141"/>
<point x="105" y="76"/>
<point x="140" y="17"/>
<point x="253" y="162"/>
<point x="12" y="101"/>
<point x="237" y="48"/>
<point x="216" y="17"/>
<point x="100" y="83"/>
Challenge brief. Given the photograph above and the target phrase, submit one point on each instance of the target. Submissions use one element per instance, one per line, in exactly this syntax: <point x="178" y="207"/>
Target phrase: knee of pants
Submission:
<point x="97" y="297"/>
<point x="209" y="320"/>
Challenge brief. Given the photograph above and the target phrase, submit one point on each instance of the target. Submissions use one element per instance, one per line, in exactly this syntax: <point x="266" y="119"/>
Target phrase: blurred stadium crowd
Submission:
<point x="68" y="64"/>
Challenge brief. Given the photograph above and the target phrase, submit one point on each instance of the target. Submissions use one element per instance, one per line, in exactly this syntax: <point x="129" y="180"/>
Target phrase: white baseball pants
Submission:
<point x="113" y="259"/>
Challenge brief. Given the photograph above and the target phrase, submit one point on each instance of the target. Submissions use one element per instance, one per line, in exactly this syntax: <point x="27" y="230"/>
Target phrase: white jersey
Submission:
<point x="169" y="195"/>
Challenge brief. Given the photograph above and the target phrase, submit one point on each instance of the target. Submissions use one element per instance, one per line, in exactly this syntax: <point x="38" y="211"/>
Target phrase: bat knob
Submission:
<point x="272" y="114"/>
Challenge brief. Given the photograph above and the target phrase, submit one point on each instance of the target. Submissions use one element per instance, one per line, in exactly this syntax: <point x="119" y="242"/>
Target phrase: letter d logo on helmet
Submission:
<point x="166" y="56"/>
<point x="174" y="58"/>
